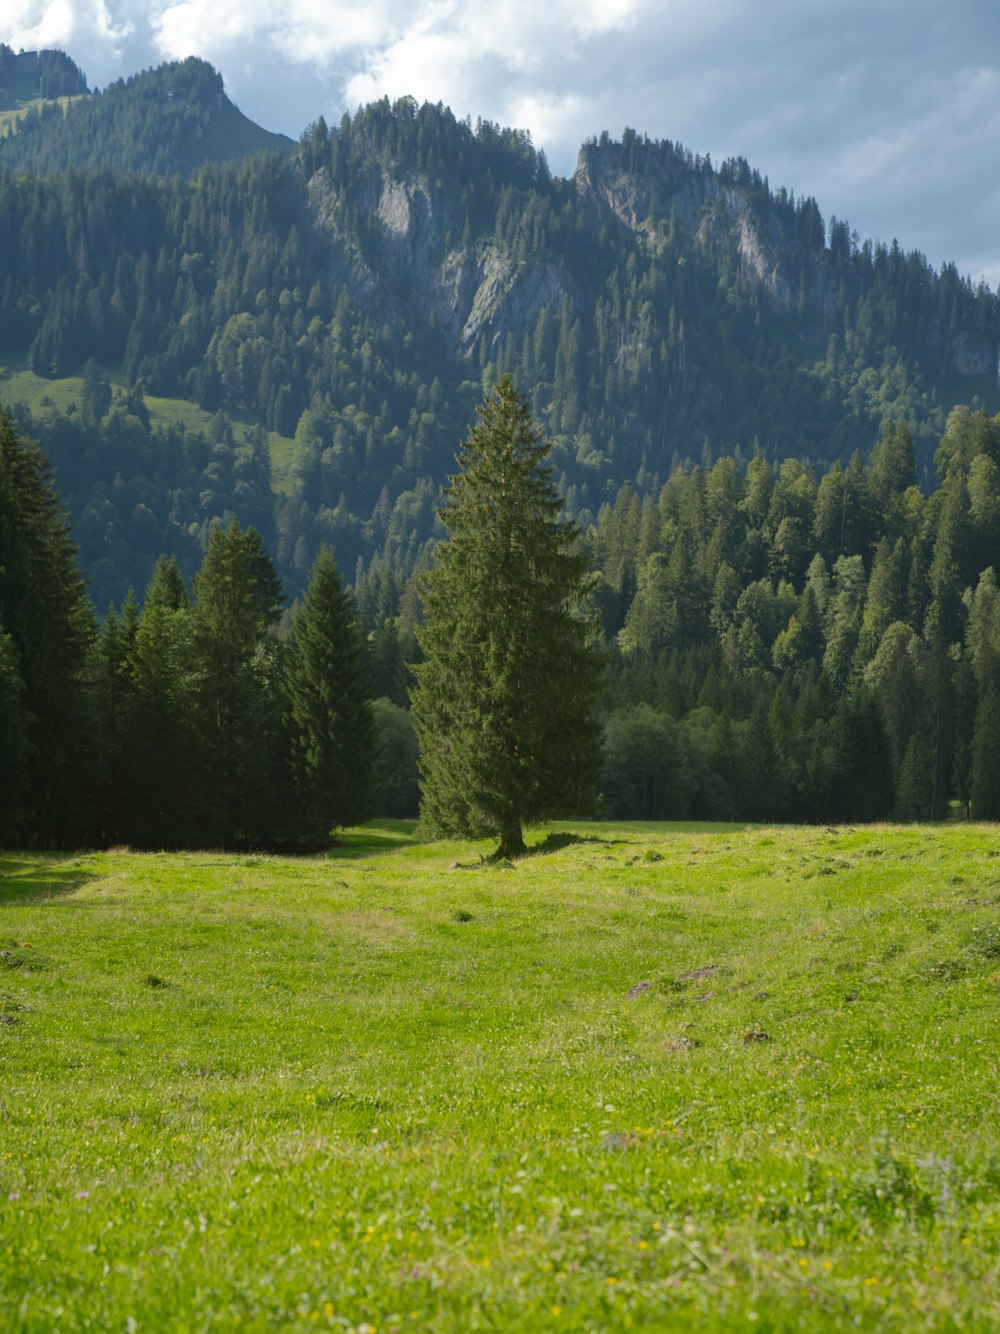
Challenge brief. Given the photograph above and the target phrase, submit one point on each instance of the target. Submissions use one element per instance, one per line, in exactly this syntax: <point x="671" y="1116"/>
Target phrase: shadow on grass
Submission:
<point x="557" y="841"/>
<point x="378" y="836"/>
<point x="31" y="880"/>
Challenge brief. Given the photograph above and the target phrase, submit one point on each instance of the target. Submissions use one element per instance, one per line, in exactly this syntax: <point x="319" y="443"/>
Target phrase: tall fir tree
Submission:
<point x="160" y="798"/>
<point x="329" y="709"/>
<point x="46" y="614"/>
<point x="504" y="702"/>
<point x="237" y="601"/>
<point x="13" y="743"/>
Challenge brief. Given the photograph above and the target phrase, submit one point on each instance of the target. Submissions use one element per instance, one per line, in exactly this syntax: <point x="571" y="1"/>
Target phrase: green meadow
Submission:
<point x="20" y="384"/>
<point x="649" y="1077"/>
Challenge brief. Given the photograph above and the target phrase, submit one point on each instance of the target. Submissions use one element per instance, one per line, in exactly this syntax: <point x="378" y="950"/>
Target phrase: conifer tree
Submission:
<point x="161" y="715"/>
<point x="237" y="600"/>
<point x="329" y="709"/>
<point x="504" y="701"/>
<point x="12" y="742"/>
<point x="45" y="612"/>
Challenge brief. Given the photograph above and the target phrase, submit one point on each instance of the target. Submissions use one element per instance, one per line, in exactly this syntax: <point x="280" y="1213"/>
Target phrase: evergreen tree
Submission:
<point x="504" y="701"/>
<point x="329" y="709"/>
<point x="237" y="600"/>
<point x="45" y="614"/>
<point x="13" y="744"/>
<point x="160" y="799"/>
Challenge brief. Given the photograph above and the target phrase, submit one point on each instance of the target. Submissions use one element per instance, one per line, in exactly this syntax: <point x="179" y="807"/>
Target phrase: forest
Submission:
<point x="784" y="468"/>
<point x="779" y="645"/>
<point x="354" y="300"/>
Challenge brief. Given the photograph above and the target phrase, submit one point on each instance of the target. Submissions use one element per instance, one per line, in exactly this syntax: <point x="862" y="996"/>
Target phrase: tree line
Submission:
<point x="780" y="644"/>
<point x="792" y="646"/>
<point x="249" y="290"/>
<point x="181" y="721"/>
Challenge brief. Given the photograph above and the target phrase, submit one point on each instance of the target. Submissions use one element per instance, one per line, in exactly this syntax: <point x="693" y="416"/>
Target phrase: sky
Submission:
<point x="887" y="112"/>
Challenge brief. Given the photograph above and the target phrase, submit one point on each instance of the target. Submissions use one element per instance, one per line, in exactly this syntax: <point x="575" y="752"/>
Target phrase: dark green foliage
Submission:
<point x="237" y="600"/>
<point x="161" y="799"/>
<point x="167" y="120"/>
<point x="644" y="776"/>
<point x="46" y="628"/>
<point x="504" y="701"/>
<point x="13" y="743"/>
<point x="329" y="709"/>
<point x="397" y="778"/>
<point x="28" y="75"/>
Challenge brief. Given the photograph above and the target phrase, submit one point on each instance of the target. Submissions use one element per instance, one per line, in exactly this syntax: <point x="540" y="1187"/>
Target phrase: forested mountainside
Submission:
<point x="29" y="76"/>
<point x="167" y="120"/>
<point x="794" y="529"/>
<point x="354" y="299"/>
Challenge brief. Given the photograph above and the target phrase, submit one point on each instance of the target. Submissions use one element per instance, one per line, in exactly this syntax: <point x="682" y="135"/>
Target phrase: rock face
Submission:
<point x="719" y="214"/>
<point x="414" y="263"/>
<point x="974" y="356"/>
<point x="399" y="241"/>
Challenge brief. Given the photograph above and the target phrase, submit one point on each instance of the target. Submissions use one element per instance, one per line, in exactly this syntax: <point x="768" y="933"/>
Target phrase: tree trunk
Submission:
<point x="511" y="841"/>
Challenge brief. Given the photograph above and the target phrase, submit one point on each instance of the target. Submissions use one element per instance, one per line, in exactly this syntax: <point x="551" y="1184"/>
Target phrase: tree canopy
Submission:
<point x="504" y="702"/>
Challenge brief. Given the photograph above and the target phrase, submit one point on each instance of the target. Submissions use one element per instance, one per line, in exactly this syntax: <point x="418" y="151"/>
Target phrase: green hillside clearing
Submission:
<point x="396" y="1089"/>
<point x="12" y="110"/>
<point x="19" y="384"/>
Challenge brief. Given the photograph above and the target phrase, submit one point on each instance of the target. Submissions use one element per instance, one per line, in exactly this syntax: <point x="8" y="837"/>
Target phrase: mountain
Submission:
<point x="163" y="121"/>
<point x="29" y="76"/>
<point x="341" y="308"/>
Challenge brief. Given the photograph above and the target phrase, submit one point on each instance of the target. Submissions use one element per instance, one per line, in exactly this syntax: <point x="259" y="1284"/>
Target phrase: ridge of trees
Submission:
<point x="783" y="644"/>
<point x="159" y="122"/>
<point x="28" y="75"/>
<point x="274" y="289"/>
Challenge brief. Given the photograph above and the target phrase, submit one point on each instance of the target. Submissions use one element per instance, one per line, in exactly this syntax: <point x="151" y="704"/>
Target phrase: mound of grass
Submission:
<point x="736" y="1084"/>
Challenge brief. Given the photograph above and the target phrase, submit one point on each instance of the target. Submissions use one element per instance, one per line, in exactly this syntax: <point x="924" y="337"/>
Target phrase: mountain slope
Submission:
<point x="163" y="121"/>
<point x="355" y="297"/>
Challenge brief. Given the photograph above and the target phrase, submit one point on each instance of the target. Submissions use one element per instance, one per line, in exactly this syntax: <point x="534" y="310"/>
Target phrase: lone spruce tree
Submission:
<point x="504" y="700"/>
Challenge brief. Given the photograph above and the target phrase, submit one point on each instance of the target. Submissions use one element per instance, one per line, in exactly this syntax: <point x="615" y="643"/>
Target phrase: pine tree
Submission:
<point x="13" y="745"/>
<point x="504" y="702"/>
<point x="160" y="731"/>
<point x="329" y="709"/>
<point x="45" y="612"/>
<point x="237" y="600"/>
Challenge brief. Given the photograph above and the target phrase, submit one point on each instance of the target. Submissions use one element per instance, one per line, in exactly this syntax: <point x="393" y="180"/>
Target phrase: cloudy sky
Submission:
<point x="887" y="111"/>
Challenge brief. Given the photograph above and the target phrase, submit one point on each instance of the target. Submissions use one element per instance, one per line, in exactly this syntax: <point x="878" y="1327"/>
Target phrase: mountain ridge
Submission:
<point x="356" y="296"/>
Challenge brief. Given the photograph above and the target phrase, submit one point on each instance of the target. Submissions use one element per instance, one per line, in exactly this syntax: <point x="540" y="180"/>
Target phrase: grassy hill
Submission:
<point x="701" y="1077"/>
<point x="20" y="384"/>
<point x="10" y="115"/>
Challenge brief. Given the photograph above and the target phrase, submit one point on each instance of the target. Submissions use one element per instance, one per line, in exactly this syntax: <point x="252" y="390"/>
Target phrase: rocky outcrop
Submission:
<point x="413" y="263"/>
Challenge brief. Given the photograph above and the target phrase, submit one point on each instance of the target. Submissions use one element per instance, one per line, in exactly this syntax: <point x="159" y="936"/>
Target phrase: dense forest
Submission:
<point x="780" y="645"/>
<point x="756" y="419"/>
<point x="163" y="121"/>
<point x="355" y="299"/>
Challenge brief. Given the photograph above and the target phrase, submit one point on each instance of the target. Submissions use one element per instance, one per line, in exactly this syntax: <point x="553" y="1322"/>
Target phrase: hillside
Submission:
<point x="726" y="1078"/>
<point x="31" y="76"/>
<point x="355" y="298"/>
<point x="163" y="121"/>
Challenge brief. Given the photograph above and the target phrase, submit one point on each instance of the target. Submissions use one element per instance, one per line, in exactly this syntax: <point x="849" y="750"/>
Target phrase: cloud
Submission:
<point x="886" y="112"/>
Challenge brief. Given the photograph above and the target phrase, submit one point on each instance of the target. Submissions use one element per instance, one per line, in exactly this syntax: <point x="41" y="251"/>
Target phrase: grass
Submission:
<point x="16" y="109"/>
<point x="20" y="384"/>
<point x="696" y="1077"/>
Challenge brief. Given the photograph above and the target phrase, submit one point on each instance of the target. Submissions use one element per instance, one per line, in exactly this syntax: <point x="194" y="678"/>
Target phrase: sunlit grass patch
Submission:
<point x="650" y="1076"/>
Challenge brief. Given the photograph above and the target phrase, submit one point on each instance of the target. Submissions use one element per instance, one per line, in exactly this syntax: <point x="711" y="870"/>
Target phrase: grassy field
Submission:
<point x="15" y="109"/>
<point x="20" y="384"/>
<point x="650" y="1077"/>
